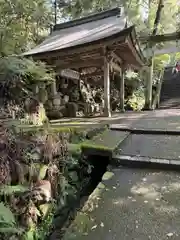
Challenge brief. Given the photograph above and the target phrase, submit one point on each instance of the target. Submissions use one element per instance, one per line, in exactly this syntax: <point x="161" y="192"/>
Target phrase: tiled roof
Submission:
<point x="82" y="31"/>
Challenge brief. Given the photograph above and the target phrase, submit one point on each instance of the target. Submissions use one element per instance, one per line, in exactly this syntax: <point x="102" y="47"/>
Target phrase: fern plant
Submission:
<point x="9" y="190"/>
<point x="18" y="75"/>
<point x="7" y="221"/>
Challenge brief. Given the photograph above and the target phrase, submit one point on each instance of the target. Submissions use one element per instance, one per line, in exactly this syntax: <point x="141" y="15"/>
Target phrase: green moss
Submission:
<point x="65" y="122"/>
<point x="65" y="128"/>
<point x="91" y="145"/>
<point x="108" y="140"/>
<point x="56" y="129"/>
<point x="74" y="148"/>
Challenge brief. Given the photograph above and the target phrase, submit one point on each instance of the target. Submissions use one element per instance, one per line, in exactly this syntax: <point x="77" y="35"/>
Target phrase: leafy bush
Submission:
<point x="7" y="221"/>
<point x="18" y="75"/>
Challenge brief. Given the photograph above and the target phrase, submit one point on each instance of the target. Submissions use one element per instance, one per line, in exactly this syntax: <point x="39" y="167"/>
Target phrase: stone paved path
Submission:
<point x="131" y="204"/>
<point x="154" y="146"/>
<point x="168" y="119"/>
<point x="123" y="119"/>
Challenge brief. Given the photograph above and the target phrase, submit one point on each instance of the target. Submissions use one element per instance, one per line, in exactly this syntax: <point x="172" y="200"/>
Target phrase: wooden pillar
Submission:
<point x="107" y="108"/>
<point x="149" y="82"/>
<point x="122" y="75"/>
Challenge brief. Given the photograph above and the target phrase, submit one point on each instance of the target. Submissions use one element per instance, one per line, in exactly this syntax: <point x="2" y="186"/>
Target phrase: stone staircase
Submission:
<point x="170" y="92"/>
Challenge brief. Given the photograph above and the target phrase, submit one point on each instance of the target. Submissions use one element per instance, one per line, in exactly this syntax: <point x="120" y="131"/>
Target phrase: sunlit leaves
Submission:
<point x="141" y="13"/>
<point x="22" y="23"/>
<point x="161" y="61"/>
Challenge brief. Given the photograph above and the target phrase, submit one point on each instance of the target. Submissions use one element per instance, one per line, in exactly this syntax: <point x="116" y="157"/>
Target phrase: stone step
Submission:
<point x="170" y="92"/>
<point x="104" y="144"/>
<point x="161" y="149"/>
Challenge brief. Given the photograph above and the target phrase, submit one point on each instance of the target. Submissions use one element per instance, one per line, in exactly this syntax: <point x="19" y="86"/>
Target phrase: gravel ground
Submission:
<point x="131" y="204"/>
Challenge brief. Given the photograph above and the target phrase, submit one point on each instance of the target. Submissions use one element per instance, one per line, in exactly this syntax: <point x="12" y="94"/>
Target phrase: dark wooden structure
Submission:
<point x="104" y="41"/>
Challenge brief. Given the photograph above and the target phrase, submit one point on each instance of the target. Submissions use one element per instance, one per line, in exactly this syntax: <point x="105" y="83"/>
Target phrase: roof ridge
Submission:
<point x="93" y="17"/>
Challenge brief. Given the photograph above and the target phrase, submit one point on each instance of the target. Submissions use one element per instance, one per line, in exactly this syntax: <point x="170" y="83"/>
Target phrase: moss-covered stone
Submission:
<point x="54" y="114"/>
<point x="104" y="144"/>
<point x="45" y="209"/>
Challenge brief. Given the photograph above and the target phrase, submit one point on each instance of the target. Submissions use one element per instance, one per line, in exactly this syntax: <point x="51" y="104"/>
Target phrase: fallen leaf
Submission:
<point x="85" y="234"/>
<point x="102" y="224"/>
<point x="94" y="227"/>
<point x="170" y="234"/>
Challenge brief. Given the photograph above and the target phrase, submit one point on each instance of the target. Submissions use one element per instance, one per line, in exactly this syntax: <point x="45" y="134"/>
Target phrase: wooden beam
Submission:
<point x="107" y="110"/>
<point x="94" y="74"/>
<point x="115" y="56"/>
<point x="115" y="66"/>
<point x="166" y="50"/>
<point x="149" y="79"/>
<point x="78" y="64"/>
<point x="118" y="46"/>
<point x="161" y="38"/>
<point x="122" y="85"/>
<point x="134" y="54"/>
<point x="69" y="73"/>
<point x="156" y="99"/>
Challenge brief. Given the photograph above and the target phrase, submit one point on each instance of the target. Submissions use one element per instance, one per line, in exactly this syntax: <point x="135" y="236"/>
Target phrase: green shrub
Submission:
<point x="7" y="221"/>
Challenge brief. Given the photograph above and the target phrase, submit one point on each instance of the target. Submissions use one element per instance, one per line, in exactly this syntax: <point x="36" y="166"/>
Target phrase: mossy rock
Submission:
<point x="63" y="111"/>
<point x="45" y="209"/>
<point x="54" y="114"/>
<point x="104" y="144"/>
<point x="95" y="131"/>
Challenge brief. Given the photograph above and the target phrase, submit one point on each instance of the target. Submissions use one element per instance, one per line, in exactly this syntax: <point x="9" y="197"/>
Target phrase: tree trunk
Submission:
<point x="148" y="102"/>
<point x="158" y="17"/>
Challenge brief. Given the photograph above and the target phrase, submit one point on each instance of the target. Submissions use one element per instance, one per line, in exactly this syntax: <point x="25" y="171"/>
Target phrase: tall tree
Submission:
<point x="141" y="12"/>
<point x="23" y="23"/>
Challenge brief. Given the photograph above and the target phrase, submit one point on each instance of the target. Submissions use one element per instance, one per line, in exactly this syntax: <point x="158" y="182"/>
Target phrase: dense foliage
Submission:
<point x="141" y="13"/>
<point x="23" y="24"/>
<point x="17" y="75"/>
<point x="19" y="79"/>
